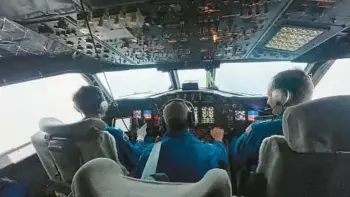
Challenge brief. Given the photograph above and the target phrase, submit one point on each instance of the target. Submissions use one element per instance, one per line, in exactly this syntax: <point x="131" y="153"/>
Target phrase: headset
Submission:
<point x="191" y="116"/>
<point x="97" y="103"/>
<point x="279" y="98"/>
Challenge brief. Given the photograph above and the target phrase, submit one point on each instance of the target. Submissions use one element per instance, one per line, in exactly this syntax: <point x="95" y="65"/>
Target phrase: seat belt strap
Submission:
<point x="152" y="162"/>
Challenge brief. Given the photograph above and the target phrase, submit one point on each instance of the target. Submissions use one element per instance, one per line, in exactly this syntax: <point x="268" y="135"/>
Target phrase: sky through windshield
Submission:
<point x="252" y="78"/>
<point x="140" y="81"/>
<point x="195" y="75"/>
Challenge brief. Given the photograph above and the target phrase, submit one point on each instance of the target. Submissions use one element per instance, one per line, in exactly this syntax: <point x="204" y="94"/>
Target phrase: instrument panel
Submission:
<point x="213" y="109"/>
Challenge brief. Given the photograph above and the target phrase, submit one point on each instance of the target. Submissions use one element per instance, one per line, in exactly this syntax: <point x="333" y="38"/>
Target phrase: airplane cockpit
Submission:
<point x="221" y="56"/>
<point x="213" y="108"/>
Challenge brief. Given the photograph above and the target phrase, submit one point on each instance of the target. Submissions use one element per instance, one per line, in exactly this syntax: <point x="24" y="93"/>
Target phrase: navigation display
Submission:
<point x="252" y="114"/>
<point x="207" y="115"/>
<point x="239" y="115"/>
<point x="137" y="114"/>
<point x="147" y="114"/>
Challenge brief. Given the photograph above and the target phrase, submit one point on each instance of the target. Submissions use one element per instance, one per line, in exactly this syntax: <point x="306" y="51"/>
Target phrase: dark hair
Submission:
<point x="176" y="124"/>
<point x="297" y="81"/>
<point x="88" y="99"/>
<point x="175" y="116"/>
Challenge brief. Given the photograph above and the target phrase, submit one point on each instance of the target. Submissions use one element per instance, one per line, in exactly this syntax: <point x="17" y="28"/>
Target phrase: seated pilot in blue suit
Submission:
<point x="90" y="101"/>
<point x="182" y="157"/>
<point x="287" y="88"/>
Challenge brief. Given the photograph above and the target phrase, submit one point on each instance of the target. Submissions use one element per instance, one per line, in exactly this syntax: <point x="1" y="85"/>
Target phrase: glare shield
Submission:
<point x="292" y="38"/>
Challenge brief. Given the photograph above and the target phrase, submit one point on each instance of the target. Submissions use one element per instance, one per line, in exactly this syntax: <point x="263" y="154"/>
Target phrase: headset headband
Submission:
<point x="98" y="102"/>
<point x="187" y="103"/>
<point x="191" y="117"/>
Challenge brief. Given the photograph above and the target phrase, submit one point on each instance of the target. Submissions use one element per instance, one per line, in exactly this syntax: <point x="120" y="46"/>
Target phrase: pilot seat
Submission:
<point x="64" y="148"/>
<point x="312" y="158"/>
<point x="103" y="177"/>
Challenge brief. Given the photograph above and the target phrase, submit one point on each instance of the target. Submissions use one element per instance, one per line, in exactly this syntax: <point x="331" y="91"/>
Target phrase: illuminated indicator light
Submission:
<point x="291" y="39"/>
<point x="204" y="38"/>
<point x="252" y="115"/>
<point x="172" y="41"/>
<point x="215" y="37"/>
<point x="147" y="114"/>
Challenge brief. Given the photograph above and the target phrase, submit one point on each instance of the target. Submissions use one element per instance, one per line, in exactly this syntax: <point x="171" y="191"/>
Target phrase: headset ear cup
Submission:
<point x="281" y="96"/>
<point x="163" y="125"/>
<point x="190" y="120"/>
<point x="103" y="107"/>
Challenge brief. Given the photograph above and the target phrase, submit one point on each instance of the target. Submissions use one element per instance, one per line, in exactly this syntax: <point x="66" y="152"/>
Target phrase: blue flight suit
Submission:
<point x="184" y="158"/>
<point x="128" y="153"/>
<point x="247" y="145"/>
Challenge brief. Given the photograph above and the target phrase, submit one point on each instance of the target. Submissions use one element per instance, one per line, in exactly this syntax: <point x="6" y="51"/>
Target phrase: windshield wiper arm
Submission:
<point x="136" y="93"/>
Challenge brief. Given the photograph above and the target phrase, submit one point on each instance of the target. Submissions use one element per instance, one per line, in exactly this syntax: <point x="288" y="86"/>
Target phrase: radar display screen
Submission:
<point x="239" y="115"/>
<point x="147" y="114"/>
<point x="137" y="114"/>
<point x="252" y="114"/>
<point x="207" y="115"/>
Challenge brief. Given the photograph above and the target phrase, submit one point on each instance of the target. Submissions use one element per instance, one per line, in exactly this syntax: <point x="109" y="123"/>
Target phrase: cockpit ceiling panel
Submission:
<point x="24" y="10"/>
<point x="329" y="16"/>
<point x="164" y="33"/>
<point x="159" y="32"/>
<point x="108" y="3"/>
<point x="17" y="40"/>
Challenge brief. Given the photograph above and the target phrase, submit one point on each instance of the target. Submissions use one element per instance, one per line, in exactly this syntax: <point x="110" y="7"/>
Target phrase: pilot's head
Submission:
<point x="176" y="116"/>
<point x="90" y="101"/>
<point x="289" y="88"/>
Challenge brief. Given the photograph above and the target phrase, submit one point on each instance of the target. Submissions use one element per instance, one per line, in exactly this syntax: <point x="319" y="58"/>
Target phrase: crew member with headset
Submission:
<point x="90" y="101"/>
<point x="180" y="155"/>
<point x="286" y="88"/>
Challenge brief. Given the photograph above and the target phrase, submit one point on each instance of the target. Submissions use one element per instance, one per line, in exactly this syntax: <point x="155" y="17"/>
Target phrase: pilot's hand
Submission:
<point x="141" y="133"/>
<point x="158" y="138"/>
<point x="217" y="133"/>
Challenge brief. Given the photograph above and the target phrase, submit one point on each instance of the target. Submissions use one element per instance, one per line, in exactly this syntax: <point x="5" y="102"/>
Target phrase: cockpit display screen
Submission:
<point x="252" y="114"/>
<point x="147" y="114"/>
<point x="207" y="115"/>
<point x="137" y="114"/>
<point x="240" y="115"/>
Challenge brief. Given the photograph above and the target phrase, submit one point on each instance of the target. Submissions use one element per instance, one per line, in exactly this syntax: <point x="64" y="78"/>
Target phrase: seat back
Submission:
<point x="313" y="156"/>
<point x="103" y="177"/>
<point x="72" y="145"/>
<point x="40" y="144"/>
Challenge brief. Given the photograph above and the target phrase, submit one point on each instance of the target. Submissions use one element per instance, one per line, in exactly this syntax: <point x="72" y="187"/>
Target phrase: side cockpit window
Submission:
<point x="22" y="105"/>
<point x="336" y="81"/>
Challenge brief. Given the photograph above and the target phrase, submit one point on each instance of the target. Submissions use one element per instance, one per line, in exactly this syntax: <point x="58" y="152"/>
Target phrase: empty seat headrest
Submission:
<point x="103" y="177"/>
<point x="56" y="128"/>
<point x="318" y="126"/>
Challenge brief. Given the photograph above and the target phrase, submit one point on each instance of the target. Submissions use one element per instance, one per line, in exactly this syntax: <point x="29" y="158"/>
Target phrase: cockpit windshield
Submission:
<point x="140" y="82"/>
<point x="251" y="78"/>
<point x="197" y="75"/>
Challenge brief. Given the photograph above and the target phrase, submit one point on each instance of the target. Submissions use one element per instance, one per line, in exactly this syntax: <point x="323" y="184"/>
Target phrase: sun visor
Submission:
<point x="20" y="10"/>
